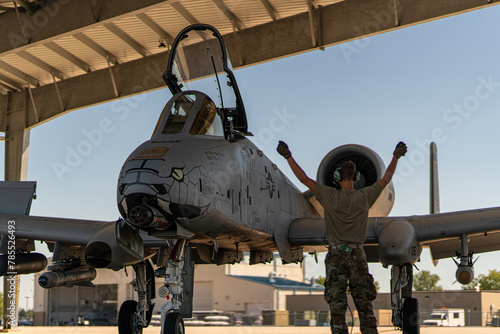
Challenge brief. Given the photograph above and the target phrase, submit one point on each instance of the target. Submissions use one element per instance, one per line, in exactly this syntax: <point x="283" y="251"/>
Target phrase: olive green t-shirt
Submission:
<point x="346" y="211"/>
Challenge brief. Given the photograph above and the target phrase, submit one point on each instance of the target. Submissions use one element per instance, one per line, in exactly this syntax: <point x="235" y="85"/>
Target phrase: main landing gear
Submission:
<point x="175" y="265"/>
<point x="404" y="314"/>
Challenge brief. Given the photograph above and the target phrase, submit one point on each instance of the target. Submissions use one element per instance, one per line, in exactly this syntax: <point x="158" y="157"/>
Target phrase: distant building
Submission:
<point x="480" y="306"/>
<point x="240" y="288"/>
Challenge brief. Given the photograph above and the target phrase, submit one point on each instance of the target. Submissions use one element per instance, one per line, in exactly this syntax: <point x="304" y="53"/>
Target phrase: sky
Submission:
<point x="438" y="81"/>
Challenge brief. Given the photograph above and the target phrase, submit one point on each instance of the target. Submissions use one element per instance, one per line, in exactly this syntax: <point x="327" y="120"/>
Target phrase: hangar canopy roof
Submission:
<point x="61" y="55"/>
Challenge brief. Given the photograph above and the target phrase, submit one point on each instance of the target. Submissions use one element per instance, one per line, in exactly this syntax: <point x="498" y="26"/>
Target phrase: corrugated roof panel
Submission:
<point x="250" y="13"/>
<point x="112" y="43"/>
<point x="136" y="29"/>
<point x="289" y="7"/>
<point x="27" y="68"/>
<point x="56" y="61"/>
<point x="13" y="78"/>
<point x="207" y="12"/>
<point x="168" y="18"/>
<point x="80" y="50"/>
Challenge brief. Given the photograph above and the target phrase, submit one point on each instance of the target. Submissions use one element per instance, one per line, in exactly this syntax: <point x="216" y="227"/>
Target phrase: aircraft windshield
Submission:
<point x="435" y="316"/>
<point x="179" y="114"/>
<point x="199" y="65"/>
<point x="198" y="62"/>
<point x="207" y="121"/>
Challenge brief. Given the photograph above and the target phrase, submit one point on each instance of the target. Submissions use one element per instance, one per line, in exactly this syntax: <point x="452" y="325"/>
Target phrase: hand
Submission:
<point x="400" y="150"/>
<point x="283" y="150"/>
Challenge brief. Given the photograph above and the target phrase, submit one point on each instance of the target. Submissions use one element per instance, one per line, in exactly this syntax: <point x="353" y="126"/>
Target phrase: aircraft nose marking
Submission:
<point x="153" y="153"/>
<point x="177" y="174"/>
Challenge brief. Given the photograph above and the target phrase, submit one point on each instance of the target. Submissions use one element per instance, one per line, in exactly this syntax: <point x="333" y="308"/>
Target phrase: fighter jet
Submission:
<point x="199" y="191"/>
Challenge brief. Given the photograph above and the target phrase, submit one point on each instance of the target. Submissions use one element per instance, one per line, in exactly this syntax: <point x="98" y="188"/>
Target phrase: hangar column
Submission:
<point x="16" y="169"/>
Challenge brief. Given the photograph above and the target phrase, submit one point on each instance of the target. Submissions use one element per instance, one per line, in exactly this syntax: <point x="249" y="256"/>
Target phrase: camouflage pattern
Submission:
<point x="343" y="269"/>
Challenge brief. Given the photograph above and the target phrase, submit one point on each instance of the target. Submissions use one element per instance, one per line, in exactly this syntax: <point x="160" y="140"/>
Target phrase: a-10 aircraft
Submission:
<point x="200" y="192"/>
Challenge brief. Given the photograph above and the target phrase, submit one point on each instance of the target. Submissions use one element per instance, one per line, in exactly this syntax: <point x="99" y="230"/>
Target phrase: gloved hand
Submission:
<point x="400" y="150"/>
<point x="283" y="150"/>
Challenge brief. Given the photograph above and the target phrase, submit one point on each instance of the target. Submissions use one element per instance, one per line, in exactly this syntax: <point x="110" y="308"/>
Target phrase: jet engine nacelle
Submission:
<point x="53" y="279"/>
<point x="105" y="251"/>
<point x="464" y="274"/>
<point x="371" y="169"/>
<point x="22" y="263"/>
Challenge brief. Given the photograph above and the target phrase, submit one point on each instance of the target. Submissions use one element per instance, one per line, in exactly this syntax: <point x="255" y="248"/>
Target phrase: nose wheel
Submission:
<point x="174" y="324"/>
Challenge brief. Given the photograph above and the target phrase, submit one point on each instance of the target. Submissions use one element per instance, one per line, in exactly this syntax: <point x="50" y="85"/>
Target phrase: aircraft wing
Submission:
<point x="70" y="231"/>
<point x="64" y="230"/>
<point x="441" y="232"/>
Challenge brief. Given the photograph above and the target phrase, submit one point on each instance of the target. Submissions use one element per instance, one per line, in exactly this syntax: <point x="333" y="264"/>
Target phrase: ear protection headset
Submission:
<point x="337" y="175"/>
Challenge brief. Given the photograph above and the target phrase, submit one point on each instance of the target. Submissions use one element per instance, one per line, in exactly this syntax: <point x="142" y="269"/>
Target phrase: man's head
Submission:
<point x="348" y="169"/>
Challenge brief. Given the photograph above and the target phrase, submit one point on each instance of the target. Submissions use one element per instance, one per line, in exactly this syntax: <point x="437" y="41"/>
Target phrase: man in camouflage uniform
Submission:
<point x="346" y="219"/>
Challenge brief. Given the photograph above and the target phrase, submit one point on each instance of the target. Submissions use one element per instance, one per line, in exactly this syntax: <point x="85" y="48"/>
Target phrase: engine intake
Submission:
<point x="371" y="169"/>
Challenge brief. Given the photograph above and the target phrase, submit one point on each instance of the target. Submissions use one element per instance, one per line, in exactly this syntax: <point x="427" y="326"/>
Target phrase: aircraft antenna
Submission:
<point x="434" y="184"/>
<point x="218" y="83"/>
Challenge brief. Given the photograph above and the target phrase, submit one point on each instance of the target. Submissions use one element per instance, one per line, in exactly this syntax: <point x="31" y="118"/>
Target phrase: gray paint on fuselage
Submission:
<point x="246" y="197"/>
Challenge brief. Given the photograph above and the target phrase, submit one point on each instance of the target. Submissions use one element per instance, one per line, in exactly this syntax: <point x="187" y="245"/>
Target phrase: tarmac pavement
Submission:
<point x="254" y="330"/>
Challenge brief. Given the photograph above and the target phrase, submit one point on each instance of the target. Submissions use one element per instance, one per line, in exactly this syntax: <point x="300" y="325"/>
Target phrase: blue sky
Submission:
<point x="435" y="81"/>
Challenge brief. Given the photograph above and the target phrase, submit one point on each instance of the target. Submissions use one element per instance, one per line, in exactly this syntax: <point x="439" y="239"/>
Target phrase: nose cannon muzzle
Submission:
<point x="146" y="216"/>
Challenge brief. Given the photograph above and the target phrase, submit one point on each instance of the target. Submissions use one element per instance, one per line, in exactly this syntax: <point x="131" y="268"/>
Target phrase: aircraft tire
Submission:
<point x="174" y="324"/>
<point x="411" y="319"/>
<point x="126" y="318"/>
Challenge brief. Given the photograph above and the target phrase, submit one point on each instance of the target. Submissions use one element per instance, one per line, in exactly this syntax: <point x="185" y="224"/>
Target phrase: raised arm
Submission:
<point x="299" y="172"/>
<point x="399" y="152"/>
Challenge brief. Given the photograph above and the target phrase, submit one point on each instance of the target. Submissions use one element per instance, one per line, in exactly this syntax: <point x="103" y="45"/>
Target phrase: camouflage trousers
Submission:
<point x="343" y="269"/>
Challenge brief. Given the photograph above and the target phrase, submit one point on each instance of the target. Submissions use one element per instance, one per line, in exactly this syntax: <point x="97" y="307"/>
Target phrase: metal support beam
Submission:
<point x="127" y="39"/>
<point x="65" y="17"/>
<point x="69" y="56"/>
<point x="96" y="47"/>
<point x="16" y="137"/>
<point x="10" y="83"/>
<point x="40" y="63"/>
<point x="270" y="10"/>
<point x="16" y="169"/>
<point x="228" y="13"/>
<point x="21" y="75"/>
<point x="155" y="27"/>
<point x="184" y="12"/>
<point x="113" y="81"/>
<point x="312" y="25"/>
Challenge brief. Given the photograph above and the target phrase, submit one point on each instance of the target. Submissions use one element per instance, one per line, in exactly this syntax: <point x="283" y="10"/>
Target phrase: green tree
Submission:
<point x="488" y="282"/>
<point x="425" y="281"/>
<point x="321" y="280"/>
<point x="1" y="304"/>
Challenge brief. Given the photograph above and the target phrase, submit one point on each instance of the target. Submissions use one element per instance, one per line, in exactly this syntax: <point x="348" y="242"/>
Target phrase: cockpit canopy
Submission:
<point x="198" y="61"/>
<point x="190" y="112"/>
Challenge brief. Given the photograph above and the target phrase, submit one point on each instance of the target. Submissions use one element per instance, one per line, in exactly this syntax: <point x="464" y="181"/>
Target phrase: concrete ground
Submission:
<point x="252" y="330"/>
